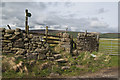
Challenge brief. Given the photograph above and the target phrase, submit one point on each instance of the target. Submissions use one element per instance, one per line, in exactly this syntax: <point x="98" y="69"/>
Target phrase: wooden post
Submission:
<point x="98" y="37"/>
<point x="85" y="32"/>
<point x="9" y="27"/>
<point x="26" y="21"/>
<point x="66" y="30"/>
<point x="46" y="32"/>
<point x="27" y="29"/>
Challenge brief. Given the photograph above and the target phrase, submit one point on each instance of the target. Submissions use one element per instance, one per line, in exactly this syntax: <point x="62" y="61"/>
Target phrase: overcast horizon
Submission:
<point x="76" y="16"/>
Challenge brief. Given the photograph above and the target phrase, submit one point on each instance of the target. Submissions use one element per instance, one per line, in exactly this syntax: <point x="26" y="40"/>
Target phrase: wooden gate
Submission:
<point x="50" y="39"/>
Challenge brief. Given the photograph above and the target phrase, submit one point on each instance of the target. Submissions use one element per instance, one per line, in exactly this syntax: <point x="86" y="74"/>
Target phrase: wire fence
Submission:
<point x="110" y="46"/>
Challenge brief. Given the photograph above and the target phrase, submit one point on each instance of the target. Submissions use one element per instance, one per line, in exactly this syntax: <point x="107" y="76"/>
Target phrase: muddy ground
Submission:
<point x="110" y="72"/>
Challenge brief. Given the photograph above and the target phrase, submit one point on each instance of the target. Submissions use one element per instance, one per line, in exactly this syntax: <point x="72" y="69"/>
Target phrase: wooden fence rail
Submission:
<point x="51" y="39"/>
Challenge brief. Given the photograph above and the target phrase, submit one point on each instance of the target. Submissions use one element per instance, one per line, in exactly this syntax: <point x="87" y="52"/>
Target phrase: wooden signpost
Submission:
<point x="26" y="21"/>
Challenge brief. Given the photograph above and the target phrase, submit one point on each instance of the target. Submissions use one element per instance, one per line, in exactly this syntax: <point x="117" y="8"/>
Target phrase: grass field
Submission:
<point x="110" y="46"/>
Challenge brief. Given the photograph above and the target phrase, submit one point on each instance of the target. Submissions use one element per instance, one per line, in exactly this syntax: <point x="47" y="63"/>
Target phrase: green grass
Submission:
<point x="105" y="46"/>
<point x="114" y="61"/>
<point x="109" y="35"/>
<point x="12" y="74"/>
<point x="90" y="64"/>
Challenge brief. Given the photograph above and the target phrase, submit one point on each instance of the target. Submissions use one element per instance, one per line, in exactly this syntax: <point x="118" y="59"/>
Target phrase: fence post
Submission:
<point x="46" y="32"/>
<point x="66" y="30"/>
<point x="111" y="46"/>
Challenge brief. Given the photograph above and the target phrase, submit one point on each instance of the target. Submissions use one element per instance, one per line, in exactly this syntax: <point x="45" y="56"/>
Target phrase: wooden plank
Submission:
<point x="44" y="34"/>
<point x="52" y="42"/>
<point x="52" y="39"/>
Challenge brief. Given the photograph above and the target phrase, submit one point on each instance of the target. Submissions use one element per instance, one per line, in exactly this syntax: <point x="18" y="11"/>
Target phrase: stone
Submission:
<point x="15" y="68"/>
<point x="1" y="38"/>
<point x="10" y="44"/>
<point x="32" y="62"/>
<point x="9" y="31"/>
<point x="18" y="66"/>
<point x="32" y="56"/>
<point x="39" y="43"/>
<point x="57" y="56"/>
<point x="15" y="49"/>
<point x="21" y="52"/>
<point x="24" y="35"/>
<point x="66" y="46"/>
<point x="25" y="69"/>
<point x="8" y="35"/>
<point x="30" y="36"/>
<point x="35" y="45"/>
<point x="7" y="41"/>
<point x="18" y="56"/>
<point x="17" y="33"/>
<point x="54" y="74"/>
<point x="41" y="56"/>
<point x="45" y="65"/>
<point x="17" y="30"/>
<point x="75" y="52"/>
<point x="6" y="48"/>
<point x="13" y="37"/>
<point x="18" y="44"/>
<point x="50" y="58"/>
<point x="26" y="39"/>
<point x="2" y="29"/>
<point x="20" y="40"/>
<point x="58" y="48"/>
<point x="87" y="43"/>
<point x="3" y="33"/>
<point x="65" y="67"/>
<point x="66" y="35"/>
<point x="63" y="39"/>
<point x="41" y="51"/>
<point x="61" y="60"/>
<point x="39" y="46"/>
<point x="67" y="39"/>
<point x="49" y="53"/>
<point x="65" y="43"/>
<point x="6" y="51"/>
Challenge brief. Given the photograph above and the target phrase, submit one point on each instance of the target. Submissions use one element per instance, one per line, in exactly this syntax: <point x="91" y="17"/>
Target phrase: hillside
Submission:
<point x="110" y="35"/>
<point x="74" y="34"/>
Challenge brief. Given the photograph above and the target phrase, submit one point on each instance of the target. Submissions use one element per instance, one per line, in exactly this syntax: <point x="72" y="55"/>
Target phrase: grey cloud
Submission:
<point x="119" y="16"/>
<point x="95" y="18"/>
<point x="101" y="10"/>
<point x="14" y="13"/>
<point x="76" y="24"/>
<point x="68" y="4"/>
<point x="41" y="5"/>
<point x="98" y="24"/>
<point x="39" y="23"/>
<point x="3" y="4"/>
<point x="71" y="15"/>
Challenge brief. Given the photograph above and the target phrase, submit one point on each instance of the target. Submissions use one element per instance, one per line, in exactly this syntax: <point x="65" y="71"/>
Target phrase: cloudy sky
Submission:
<point x="77" y="16"/>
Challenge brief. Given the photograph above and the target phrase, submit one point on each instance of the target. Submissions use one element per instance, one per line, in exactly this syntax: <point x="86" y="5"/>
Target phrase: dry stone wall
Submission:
<point x="87" y="42"/>
<point x="66" y="42"/>
<point x="19" y="43"/>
